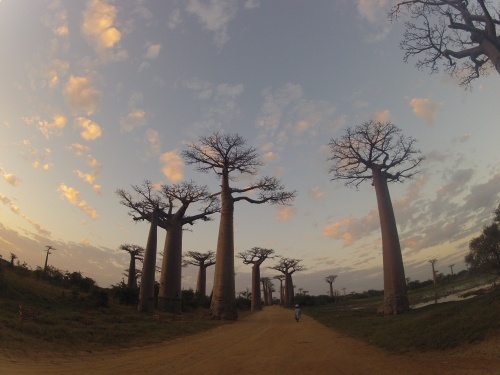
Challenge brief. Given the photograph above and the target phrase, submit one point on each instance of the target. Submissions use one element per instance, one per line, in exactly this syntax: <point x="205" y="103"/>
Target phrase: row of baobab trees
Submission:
<point x="255" y="257"/>
<point x="373" y="151"/>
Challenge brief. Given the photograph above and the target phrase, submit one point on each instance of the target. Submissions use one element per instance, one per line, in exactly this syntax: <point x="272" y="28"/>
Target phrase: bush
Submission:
<point x="124" y="294"/>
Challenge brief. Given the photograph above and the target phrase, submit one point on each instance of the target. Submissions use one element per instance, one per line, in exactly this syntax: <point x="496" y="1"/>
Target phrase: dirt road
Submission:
<point x="269" y="342"/>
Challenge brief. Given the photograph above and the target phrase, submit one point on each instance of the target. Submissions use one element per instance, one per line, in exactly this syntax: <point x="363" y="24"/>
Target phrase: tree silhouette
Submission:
<point x="256" y="256"/>
<point x="372" y="151"/>
<point x="330" y="279"/>
<point x="484" y="250"/>
<point x="451" y="268"/>
<point x="136" y="253"/>
<point x="172" y="218"/>
<point x="281" y="278"/>
<point x="13" y="257"/>
<point x="457" y="33"/>
<point x="202" y="261"/>
<point x="433" y="262"/>
<point x="227" y="155"/>
<point x="288" y="266"/>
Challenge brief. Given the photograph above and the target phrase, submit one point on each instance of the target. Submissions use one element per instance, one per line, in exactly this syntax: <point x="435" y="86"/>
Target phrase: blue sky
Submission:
<point x="99" y="95"/>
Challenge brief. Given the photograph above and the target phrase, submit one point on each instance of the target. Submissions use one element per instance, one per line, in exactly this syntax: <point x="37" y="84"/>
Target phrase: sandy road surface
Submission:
<point x="269" y="342"/>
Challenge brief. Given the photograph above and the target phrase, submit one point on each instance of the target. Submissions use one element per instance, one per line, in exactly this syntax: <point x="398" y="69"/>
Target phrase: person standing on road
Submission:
<point x="297" y="313"/>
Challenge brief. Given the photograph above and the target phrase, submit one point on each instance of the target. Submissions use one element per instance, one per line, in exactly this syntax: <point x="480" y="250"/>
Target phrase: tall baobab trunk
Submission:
<point x="132" y="277"/>
<point x="331" y="290"/>
<point x="169" y="297"/>
<point x="282" y="293"/>
<point x="289" y="298"/>
<point x="223" y="304"/>
<point x="201" y="283"/>
<point x="256" y="303"/>
<point x="395" y="296"/>
<point x="147" y="290"/>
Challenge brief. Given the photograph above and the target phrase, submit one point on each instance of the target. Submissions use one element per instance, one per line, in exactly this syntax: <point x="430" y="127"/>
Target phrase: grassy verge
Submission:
<point x="66" y="320"/>
<point x="436" y="326"/>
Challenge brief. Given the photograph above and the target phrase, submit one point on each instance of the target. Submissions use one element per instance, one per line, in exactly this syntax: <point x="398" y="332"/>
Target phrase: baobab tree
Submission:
<point x="330" y="279"/>
<point x="281" y="278"/>
<point x="433" y="262"/>
<point x="145" y="205"/>
<point x="202" y="261"/>
<point x="136" y="252"/>
<point x="288" y="266"/>
<point x="172" y="218"/>
<point x="228" y="156"/>
<point x="378" y="152"/>
<point x="462" y="35"/>
<point x="451" y="268"/>
<point x="13" y="257"/>
<point x="47" y="256"/>
<point x="267" y="290"/>
<point x="256" y="256"/>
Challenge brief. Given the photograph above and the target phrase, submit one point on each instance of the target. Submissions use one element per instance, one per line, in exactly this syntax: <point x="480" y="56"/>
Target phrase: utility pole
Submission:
<point x="47" y="256"/>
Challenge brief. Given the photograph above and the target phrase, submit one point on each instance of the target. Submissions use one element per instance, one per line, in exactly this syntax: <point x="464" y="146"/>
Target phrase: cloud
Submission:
<point x="173" y="166"/>
<point x="81" y="95"/>
<point x="350" y="229"/>
<point x="73" y="196"/>
<point x="382" y="116"/>
<point x="153" y="50"/>
<point x="99" y="27"/>
<point x="57" y="69"/>
<point x="174" y="19"/>
<point x="154" y="141"/>
<point x="214" y="16"/>
<point x="425" y="108"/>
<point x="220" y="99"/>
<point x="316" y="193"/>
<point x="6" y="201"/>
<point x="91" y="131"/>
<point x="78" y="149"/>
<point x="10" y="178"/>
<point x="133" y="120"/>
<point x="47" y="128"/>
<point x="285" y="213"/>
<point x="375" y="12"/>
<point x="286" y="113"/>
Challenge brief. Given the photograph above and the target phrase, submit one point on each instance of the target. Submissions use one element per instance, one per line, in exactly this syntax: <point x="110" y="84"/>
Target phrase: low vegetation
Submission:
<point x="61" y="316"/>
<point x="435" y="326"/>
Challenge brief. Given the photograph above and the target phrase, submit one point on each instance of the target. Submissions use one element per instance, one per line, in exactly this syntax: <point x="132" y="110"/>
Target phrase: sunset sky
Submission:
<point x="98" y="95"/>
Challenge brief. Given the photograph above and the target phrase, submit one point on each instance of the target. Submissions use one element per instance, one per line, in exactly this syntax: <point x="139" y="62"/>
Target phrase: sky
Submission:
<point x="100" y="95"/>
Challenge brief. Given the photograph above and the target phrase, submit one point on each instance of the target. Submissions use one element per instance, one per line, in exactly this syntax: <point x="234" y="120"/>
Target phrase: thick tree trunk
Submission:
<point x="223" y="304"/>
<point x="289" y="298"/>
<point x="282" y="293"/>
<point x="169" y="298"/>
<point x="201" y="283"/>
<point x="132" y="281"/>
<point x="493" y="53"/>
<point x="331" y="290"/>
<point x="395" y="296"/>
<point x="147" y="290"/>
<point x="256" y="297"/>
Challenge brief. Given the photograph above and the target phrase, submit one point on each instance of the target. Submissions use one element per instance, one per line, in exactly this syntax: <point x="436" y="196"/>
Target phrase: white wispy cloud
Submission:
<point x="15" y="209"/>
<point x="214" y="16"/>
<point x="90" y="130"/>
<point x="47" y="128"/>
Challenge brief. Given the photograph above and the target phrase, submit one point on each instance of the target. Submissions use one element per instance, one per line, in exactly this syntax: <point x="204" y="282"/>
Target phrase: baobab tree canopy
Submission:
<point x="457" y="34"/>
<point x="373" y="146"/>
